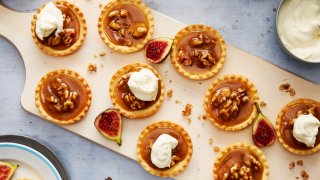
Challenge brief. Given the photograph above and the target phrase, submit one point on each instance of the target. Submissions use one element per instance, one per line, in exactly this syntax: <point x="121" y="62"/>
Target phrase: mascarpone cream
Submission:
<point x="305" y="129"/>
<point x="161" y="151"/>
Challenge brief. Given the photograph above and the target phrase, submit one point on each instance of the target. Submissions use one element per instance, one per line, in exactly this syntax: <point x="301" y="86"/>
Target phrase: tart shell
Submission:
<point x="174" y="52"/>
<point x="178" y="168"/>
<point x="278" y="128"/>
<point x="44" y="114"/>
<point x="252" y="149"/>
<point x="253" y="94"/>
<point x="125" y="49"/>
<point x="75" y="46"/>
<point x="134" y="113"/>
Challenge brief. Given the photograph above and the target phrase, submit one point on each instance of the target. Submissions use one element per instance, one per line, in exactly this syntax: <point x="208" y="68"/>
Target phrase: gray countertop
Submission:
<point x="247" y="24"/>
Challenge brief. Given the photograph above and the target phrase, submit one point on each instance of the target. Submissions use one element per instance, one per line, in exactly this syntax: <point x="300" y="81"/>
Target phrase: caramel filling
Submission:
<point x="240" y="164"/>
<point x="178" y="154"/>
<point x="69" y="35"/>
<point x="286" y="126"/>
<point x="231" y="102"/>
<point x="199" y="51"/>
<point x="63" y="96"/>
<point x="126" y="25"/>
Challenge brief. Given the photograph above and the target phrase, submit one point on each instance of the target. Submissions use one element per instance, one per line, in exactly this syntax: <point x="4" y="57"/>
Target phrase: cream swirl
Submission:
<point x="161" y="151"/>
<point x="144" y="84"/>
<point x="305" y="129"/>
<point x="48" y="20"/>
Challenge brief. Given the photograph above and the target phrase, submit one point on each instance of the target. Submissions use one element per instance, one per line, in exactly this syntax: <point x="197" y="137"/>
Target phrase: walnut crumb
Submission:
<point x="108" y="178"/>
<point x="291" y="91"/>
<point x="189" y="120"/>
<point x="169" y="93"/>
<point x="92" y="67"/>
<point x="187" y="110"/>
<point x="170" y="81"/>
<point x="204" y="117"/>
<point x="199" y="117"/>
<point x="102" y="54"/>
<point x="263" y="104"/>
<point x="300" y="162"/>
<point x="100" y="5"/>
<point x="216" y="149"/>
<point x="177" y="101"/>
<point x="210" y="141"/>
<point x="284" y="86"/>
<point x="304" y="175"/>
<point x="291" y="165"/>
<point x="297" y="177"/>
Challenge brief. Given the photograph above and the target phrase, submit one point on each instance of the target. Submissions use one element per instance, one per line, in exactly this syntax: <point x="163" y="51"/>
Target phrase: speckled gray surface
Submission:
<point x="247" y="24"/>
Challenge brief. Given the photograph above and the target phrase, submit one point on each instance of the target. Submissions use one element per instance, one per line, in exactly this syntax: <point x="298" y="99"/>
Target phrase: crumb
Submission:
<point x="204" y="117"/>
<point x="300" y="162"/>
<point x="100" y="5"/>
<point x="170" y="81"/>
<point x="216" y="149"/>
<point x="200" y="82"/>
<point x="297" y="177"/>
<point x="199" y="117"/>
<point x="108" y="178"/>
<point x="291" y="91"/>
<point x="198" y="135"/>
<point x="262" y="103"/>
<point x="189" y="120"/>
<point x="210" y="141"/>
<point x="304" y="175"/>
<point x="291" y="165"/>
<point x="92" y="67"/>
<point x="187" y="110"/>
<point x="102" y="54"/>
<point x="177" y="101"/>
<point x="95" y="56"/>
<point x="169" y="93"/>
<point x="284" y="86"/>
<point x="166" y="72"/>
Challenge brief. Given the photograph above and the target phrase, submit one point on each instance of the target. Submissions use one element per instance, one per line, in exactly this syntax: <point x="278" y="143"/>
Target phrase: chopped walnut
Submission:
<point x="133" y="101"/>
<point x="291" y="165"/>
<point x="204" y="117"/>
<point x="100" y="5"/>
<point x="304" y="175"/>
<point x="206" y="58"/>
<point x="177" y="101"/>
<point x="140" y="31"/>
<point x="92" y="67"/>
<point x="183" y="59"/>
<point x="284" y="86"/>
<point x="169" y="93"/>
<point x="300" y="162"/>
<point x="216" y="149"/>
<point x="291" y="91"/>
<point x="262" y="103"/>
<point x="115" y="25"/>
<point x="210" y="141"/>
<point x="189" y="120"/>
<point x="102" y="54"/>
<point x="197" y="41"/>
<point x="124" y="13"/>
<point x="114" y="13"/>
<point x="66" y="20"/>
<point x="174" y="160"/>
<point x="187" y="110"/>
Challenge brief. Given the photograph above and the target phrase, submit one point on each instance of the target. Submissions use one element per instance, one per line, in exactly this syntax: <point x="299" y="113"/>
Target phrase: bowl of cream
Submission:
<point x="298" y="29"/>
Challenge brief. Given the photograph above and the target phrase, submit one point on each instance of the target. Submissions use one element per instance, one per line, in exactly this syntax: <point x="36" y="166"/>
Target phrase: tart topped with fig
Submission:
<point x="126" y="25"/>
<point x="229" y="102"/>
<point x="198" y="52"/>
<point x="59" y="28"/>
<point x="298" y="126"/>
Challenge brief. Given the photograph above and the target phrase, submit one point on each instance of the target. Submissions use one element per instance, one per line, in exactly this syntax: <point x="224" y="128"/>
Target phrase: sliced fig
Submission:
<point x="7" y="170"/>
<point x="109" y="124"/>
<point x="263" y="132"/>
<point x="157" y="50"/>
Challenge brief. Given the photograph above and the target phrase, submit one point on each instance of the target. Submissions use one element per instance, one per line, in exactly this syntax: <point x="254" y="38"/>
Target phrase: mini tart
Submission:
<point x="150" y="134"/>
<point x="247" y="111"/>
<point x="49" y="89"/>
<point x="77" y="20"/>
<point x="141" y="14"/>
<point x="235" y="153"/>
<point x="116" y="95"/>
<point x="285" y="129"/>
<point x="197" y="70"/>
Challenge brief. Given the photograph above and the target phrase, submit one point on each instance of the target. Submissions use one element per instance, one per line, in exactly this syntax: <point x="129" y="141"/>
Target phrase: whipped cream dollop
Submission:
<point x="299" y="28"/>
<point x="305" y="129"/>
<point x="144" y="84"/>
<point x="161" y="151"/>
<point x="49" y="19"/>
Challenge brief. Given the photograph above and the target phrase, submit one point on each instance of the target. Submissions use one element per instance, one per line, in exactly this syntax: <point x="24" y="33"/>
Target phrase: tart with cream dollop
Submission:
<point x="58" y="28"/>
<point x="298" y="126"/>
<point x="164" y="149"/>
<point x="126" y="25"/>
<point x="137" y="90"/>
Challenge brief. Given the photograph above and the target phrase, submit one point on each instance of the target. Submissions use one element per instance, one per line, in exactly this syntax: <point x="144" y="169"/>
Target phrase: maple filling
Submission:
<point x="231" y="102"/>
<point x="126" y="25"/>
<point x="239" y="164"/>
<point x="69" y="35"/>
<point x="128" y="100"/>
<point x="199" y="51"/>
<point x="287" y="122"/>
<point x="63" y="96"/>
<point x="178" y="153"/>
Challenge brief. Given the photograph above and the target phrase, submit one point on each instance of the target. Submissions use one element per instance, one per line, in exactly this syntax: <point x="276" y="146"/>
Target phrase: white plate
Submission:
<point x="32" y="164"/>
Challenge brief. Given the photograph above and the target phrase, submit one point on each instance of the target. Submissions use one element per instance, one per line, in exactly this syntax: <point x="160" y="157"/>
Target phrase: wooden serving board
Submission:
<point x="16" y="27"/>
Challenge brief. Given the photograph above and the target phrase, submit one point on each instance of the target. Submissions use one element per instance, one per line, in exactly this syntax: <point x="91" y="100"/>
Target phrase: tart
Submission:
<point x="63" y="96"/>
<point x="125" y="101"/>
<point x="126" y="25"/>
<point x="181" y="154"/>
<point x="229" y="102"/>
<point x="70" y="39"/>
<point x="285" y="122"/>
<point x="198" y="52"/>
<point x="241" y="161"/>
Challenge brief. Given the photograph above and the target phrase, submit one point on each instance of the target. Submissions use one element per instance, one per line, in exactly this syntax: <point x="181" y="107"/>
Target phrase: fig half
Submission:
<point x="157" y="50"/>
<point x="7" y="170"/>
<point x="109" y="124"/>
<point x="263" y="132"/>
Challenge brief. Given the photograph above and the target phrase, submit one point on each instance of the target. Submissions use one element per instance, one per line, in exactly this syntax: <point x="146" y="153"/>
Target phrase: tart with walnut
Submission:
<point x="126" y="25"/>
<point x="241" y="161"/>
<point x="63" y="96"/>
<point x="198" y="52"/>
<point x="72" y="35"/>
<point x="285" y="124"/>
<point x="179" y="157"/>
<point x="129" y="104"/>
<point x="229" y="102"/>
